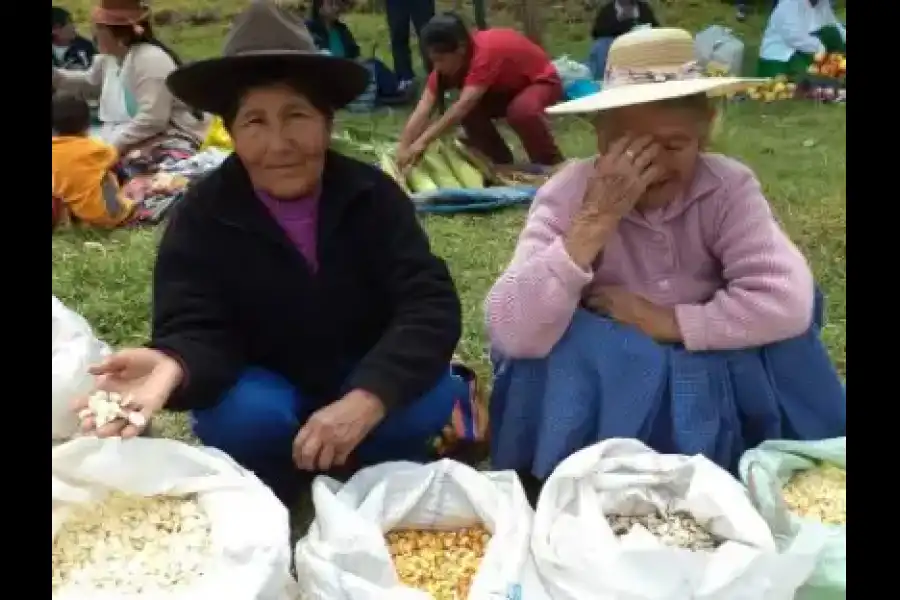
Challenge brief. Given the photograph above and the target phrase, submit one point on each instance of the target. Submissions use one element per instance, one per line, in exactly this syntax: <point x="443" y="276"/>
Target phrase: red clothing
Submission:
<point x="505" y="61"/>
<point x="524" y="113"/>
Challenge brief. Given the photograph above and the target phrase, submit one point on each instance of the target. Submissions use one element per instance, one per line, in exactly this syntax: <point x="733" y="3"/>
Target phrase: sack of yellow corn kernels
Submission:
<point x="618" y="520"/>
<point x="403" y="531"/>
<point x="144" y="519"/>
<point x="801" y="488"/>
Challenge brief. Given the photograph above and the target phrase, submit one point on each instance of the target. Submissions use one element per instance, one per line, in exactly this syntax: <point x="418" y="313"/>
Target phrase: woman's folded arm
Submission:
<point x="769" y="291"/>
<point x="532" y="304"/>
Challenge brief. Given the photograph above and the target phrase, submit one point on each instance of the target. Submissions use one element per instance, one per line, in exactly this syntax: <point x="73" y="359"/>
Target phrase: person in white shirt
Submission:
<point x="796" y="32"/>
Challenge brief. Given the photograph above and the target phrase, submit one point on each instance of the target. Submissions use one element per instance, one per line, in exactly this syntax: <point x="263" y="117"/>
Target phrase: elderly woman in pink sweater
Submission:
<point x="652" y="293"/>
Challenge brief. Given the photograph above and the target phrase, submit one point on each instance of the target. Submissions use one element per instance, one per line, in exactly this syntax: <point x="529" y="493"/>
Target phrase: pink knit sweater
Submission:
<point x="717" y="256"/>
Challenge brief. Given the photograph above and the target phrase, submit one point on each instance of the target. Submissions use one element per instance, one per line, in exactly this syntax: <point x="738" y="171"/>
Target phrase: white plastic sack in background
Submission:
<point x="570" y="70"/>
<point x="719" y="45"/>
<point x="74" y="350"/>
<point x="345" y="556"/>
<point x="579" y="557"/>
<point x="251" y="553"/>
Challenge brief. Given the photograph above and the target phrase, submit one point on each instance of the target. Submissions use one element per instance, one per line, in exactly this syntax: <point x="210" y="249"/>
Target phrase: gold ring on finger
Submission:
<point x="629" y="154"/>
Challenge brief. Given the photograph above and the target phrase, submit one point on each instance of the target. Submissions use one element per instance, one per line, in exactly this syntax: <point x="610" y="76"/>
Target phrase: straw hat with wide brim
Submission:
<point x="648" y="65"/>
<point x="265" y="35"/>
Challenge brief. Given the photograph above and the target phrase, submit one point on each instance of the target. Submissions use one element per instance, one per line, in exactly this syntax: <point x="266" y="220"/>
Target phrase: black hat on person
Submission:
<point x="265" y="35"/>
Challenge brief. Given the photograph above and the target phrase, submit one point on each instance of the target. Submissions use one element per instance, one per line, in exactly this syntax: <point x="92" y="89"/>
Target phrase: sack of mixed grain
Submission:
<point x="619" y="521"/>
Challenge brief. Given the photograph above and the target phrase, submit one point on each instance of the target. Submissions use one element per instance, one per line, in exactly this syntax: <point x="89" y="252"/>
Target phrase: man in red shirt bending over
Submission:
<point x="502" y="75"/>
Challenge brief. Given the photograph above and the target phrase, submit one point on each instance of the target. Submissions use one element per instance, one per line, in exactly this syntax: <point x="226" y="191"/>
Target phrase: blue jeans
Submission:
<point x="257" y="420"/>
<point x="597" y="58"/>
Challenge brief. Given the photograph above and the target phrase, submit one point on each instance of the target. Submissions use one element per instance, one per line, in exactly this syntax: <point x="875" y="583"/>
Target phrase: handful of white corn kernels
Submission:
<point x="131" y="544"/>
<point x="819" y="493"/>
<point x="442" y="563"/>
<point x="105" y="407"/>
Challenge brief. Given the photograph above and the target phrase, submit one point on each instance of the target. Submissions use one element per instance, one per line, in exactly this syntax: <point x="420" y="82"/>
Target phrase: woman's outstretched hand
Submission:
<point x="334" y="431"/>
<point x="146" y="377"/>
<point x="409" y="156"/>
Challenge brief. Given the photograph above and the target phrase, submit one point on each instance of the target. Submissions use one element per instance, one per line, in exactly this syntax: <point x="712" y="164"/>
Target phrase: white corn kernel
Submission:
<point x="131" y="544"/>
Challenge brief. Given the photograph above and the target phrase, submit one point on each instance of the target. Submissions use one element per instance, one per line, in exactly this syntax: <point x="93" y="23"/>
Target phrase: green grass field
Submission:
<point x="798" y="149"/>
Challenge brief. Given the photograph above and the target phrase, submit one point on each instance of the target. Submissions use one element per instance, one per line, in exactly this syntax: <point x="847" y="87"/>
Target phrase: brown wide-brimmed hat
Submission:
<point x="262" y="36"/>
<point x="120" y="12"/>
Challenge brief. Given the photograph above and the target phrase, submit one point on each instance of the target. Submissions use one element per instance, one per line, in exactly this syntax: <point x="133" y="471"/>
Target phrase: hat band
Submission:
<point x="119" y="17"/>
<point x="619" y="76"/>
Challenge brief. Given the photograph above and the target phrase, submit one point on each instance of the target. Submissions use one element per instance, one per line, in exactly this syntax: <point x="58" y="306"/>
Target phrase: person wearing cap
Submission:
<point x="501" y="74"/>
<point x="70" y="50"/>
<point x="653" y="294"/>
<point x="298" y="310"/>
<point x="137" y="112"/>
<point x="797" y="31"/>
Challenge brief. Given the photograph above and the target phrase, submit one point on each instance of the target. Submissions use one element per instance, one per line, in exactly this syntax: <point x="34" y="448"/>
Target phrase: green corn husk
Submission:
<point x="467" y="175"/>
<point x="420" y="181"/>
<point x="439" y="170"/>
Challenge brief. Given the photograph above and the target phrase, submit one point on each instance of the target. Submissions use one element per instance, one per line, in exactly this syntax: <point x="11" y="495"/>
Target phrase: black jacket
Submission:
<point x="319" y="32"/>
<point x="608" y="25"/>
<point x="231" y="292"/>
<point x="78" y="55"/>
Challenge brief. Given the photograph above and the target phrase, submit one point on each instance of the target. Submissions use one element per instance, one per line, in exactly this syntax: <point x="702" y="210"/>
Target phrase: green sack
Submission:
<point x="765" y="470"/>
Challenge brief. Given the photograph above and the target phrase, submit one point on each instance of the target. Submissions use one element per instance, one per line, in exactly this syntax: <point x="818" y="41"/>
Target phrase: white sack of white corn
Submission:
<point x="800" y="488"/>
<point x="157" y="519"/>
<point x="618" y="520"/>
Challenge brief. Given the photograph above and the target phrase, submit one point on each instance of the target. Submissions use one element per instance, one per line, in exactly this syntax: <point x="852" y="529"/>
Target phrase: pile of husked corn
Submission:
<point x="819" y="493"/>
<point x="131" y="544"/>
<point x="442" y="563"/>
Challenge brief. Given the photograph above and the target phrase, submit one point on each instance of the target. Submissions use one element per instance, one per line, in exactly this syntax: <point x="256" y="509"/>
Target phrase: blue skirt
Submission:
<point x="605" y="380"/>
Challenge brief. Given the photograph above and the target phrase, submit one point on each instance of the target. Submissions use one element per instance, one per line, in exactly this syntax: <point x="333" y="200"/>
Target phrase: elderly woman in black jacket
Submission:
<point x="298" y="311"/>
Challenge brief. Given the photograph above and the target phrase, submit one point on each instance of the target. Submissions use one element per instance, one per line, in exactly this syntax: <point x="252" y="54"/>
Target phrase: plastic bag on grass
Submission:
<point x="250" y="555"/>
<point x="580" y="558"/>
<point x="765" y="470"/>
<point x="344" y="555"/>
<point x="74" y="349"/>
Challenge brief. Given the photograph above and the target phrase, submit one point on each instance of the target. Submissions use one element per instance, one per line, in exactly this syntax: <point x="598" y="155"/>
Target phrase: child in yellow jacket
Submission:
<point x="84" y="180"/>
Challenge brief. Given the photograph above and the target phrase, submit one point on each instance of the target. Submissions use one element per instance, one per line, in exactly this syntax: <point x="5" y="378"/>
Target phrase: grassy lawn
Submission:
<point x="796" y="148"/>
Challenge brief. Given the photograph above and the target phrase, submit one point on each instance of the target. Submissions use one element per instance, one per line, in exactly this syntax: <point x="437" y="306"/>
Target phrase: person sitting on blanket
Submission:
<point x="301" y="337"/>
<point x="70" y="50"/>
<point x="797" y="31"/>
<point x="501" y="74"/>
<point x="652" y="293"/>
<point x="332" y="35"/>
<point x="615" y="18"/>
<point x="137" y="112"/>
<point x="85" y="184"/>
